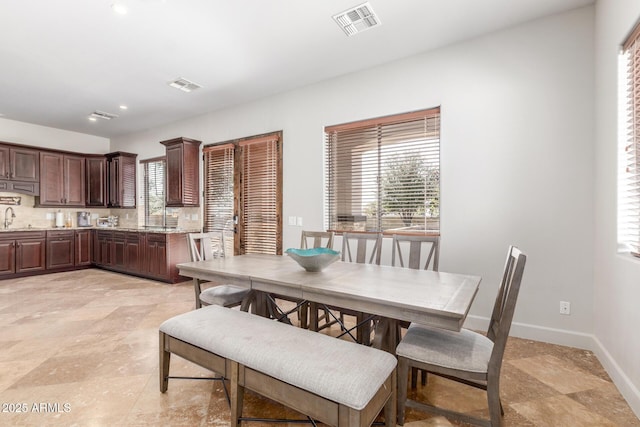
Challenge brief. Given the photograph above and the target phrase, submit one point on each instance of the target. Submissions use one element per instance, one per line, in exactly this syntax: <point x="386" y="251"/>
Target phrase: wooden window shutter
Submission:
<point x="219" y="195"/>
<point x="261" y="195"/>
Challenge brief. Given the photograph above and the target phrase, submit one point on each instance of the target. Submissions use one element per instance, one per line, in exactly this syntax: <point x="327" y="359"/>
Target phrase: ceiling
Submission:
<point x="62" y="60"/>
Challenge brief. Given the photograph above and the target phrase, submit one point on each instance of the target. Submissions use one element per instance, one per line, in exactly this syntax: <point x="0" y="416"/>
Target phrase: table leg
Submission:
<point x="386" y="335"/>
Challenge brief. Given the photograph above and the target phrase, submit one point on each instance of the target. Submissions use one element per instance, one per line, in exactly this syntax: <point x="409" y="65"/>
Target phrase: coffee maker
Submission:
<point x="84" y="219"/>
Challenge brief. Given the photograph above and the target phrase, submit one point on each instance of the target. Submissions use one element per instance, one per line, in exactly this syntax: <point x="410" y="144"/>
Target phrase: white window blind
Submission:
<point x="629" y="188"/>
<point x="384" y="174"/>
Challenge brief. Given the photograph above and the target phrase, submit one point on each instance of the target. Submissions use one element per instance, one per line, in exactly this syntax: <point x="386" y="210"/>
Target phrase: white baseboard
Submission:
<point x="571" y="339"/>
<point x="628" y="390"/>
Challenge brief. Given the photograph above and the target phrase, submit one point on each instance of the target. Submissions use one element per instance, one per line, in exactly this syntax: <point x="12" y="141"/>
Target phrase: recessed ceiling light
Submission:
<point x="93" y="119"/>
<point x="119" y="8"/>
<point x="357" y="19"/>
<point x="184" y="85"/>
<point x="123" y="107"/>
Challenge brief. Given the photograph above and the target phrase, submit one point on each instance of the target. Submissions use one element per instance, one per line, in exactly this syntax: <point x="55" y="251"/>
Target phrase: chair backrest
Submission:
<point x="416" y="249"/>
<point x="360" y="244"/>
<point x="203" y="246"/>
<point x="505" y="305"/>
<point x="318" y="239"/>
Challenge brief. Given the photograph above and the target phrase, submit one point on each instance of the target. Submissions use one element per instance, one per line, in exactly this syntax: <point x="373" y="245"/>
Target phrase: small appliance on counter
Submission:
<point x="84" y="219"/>
<point x="110" y="221"/>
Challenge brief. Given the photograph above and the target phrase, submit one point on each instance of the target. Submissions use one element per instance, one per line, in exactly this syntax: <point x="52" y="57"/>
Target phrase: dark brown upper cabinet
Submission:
<point x="121" y="180"/>
<point x="96" y="167"/>
<point x="62" y="180"/>
<point x="183" y="172"/>
<point x="19" y="170"/>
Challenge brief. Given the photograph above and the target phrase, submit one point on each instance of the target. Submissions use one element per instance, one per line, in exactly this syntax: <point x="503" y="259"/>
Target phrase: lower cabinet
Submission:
<point x="83" y="247"/>
<point x="60" y="249"/>
<point x="151" y="255"/>
<point x="22" y="252"/>
<point x="68" y="248"/>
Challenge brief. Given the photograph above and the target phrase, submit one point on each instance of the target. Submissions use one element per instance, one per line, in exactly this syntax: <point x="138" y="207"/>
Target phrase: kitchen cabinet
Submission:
<point x="19" y="170"/>
<point x="151" y="255"/>
<point x="182" y="177"/>
<point x="134" y="251"/>
<point x="121" y="180"/>
<point x="104" y="239"/>
<point x="83" y="247"/>
<point x="156" y="256"/>
<point x="22" y="252"/>
<point x="118" y="248"/>
<point x="96" y="185"/>
<point x="62" y="180"/>
<point x="60" y="249"/>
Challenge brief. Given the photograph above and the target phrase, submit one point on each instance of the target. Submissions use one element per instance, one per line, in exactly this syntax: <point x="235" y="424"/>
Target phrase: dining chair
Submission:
<point x="467" y="357"/>
<point x="415" y="252"/>
<point x="420" y="252"/>
<point x="211" y="245"/>
<point x="362" y="248"/>
<point x="308" y="240"/>
<point x="316" y="239"/>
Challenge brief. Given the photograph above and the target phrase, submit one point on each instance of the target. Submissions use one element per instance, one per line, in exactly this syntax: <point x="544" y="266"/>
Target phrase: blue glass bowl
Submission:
<point x="315" y="259"/>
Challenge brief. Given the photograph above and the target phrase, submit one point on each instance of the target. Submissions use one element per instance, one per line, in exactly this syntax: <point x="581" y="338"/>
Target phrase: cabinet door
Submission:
<point x="25" y="164"/>
<point x="134" y="252"/>
<point x="114" y="182"/>
<point x="7" y="257"/>
<point x="156" y="256"/>
<point x="119" y="254"/>
<point x="82" y="247"/>
<point x="121" y="181"/>
<point x="4" y="163"/>
<point x="52" y="182"/>
<point x="96" y="186"/>
<point x="183" y="172"/>
<point x="74" y="180"/>
<point x="60" y="249"/>
<point x="174" y="176"/>
<point x="30" y="255"/>
<point x="105" y="240"/>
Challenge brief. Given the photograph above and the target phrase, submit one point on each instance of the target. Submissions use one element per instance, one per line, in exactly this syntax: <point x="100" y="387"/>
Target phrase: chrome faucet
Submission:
<point x="8" y="221"/>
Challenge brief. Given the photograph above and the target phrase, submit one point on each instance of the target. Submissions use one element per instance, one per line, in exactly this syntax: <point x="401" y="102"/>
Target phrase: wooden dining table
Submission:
<point x="437" y="299"/>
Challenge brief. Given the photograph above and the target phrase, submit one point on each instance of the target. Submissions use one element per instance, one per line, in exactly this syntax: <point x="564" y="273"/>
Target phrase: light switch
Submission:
<point x="299" y="221"/>
<point x="292" y="220"/>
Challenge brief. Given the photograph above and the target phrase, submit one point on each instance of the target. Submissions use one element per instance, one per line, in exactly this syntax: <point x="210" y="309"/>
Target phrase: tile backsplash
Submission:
<point x="28" y="215"/>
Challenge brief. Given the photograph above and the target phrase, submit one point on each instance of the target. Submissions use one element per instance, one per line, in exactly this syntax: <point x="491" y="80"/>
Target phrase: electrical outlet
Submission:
<point x="565" y="307"/>
<point x="299" y="222"/>
<point x="292" y="220"/>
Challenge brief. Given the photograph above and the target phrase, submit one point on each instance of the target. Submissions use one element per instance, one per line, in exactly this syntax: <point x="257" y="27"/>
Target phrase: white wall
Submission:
<point x="617" y="277"/>
<point x="46" y="137"/>
<point x="517" y="156"/>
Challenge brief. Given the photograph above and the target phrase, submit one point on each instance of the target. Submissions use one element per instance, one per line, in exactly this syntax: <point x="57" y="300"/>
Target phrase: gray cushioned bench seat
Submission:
<point x="346" y="373"/>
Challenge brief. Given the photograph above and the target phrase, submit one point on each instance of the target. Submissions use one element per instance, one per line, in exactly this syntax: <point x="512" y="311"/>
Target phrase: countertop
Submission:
<point x="161" y="230"/>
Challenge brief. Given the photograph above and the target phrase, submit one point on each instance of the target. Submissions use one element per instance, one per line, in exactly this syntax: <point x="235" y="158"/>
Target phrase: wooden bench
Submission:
<point x="337" y="382"/>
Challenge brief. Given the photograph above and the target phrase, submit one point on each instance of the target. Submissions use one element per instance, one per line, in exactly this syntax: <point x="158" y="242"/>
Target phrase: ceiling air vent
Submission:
<point x="184" y="85"/>
<point x="102" y="115"/>
<point x="357" y="19"/>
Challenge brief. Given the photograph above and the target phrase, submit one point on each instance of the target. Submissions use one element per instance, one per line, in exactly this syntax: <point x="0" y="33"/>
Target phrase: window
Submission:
<point x="243" y="192"/>
<point x="154" y="201"/>
<point x="629" y="185"/>
<point x="384" y="174"/>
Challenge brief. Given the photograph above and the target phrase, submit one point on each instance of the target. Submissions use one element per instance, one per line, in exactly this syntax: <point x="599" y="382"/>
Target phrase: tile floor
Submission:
<point x="81" y="349"/>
